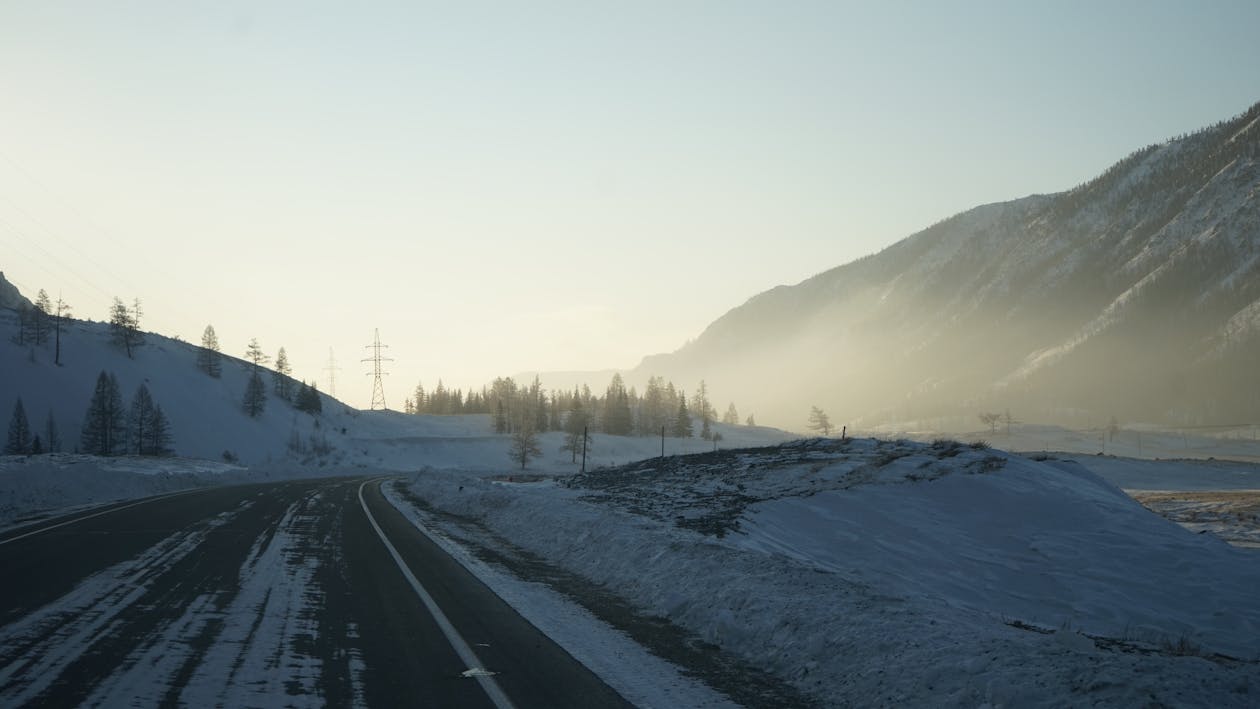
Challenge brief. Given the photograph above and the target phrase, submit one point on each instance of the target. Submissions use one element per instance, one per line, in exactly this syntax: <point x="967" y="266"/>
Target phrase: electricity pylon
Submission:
<point x="378" y="384"/>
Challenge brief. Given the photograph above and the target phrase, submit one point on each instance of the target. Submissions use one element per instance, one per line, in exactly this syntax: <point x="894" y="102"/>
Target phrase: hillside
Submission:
<point x="207" y="419"/>
<point x="1135" y="295"/>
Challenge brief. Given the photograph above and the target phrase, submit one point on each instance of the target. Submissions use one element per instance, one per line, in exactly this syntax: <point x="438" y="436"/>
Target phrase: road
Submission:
<point x="283" y="594"/>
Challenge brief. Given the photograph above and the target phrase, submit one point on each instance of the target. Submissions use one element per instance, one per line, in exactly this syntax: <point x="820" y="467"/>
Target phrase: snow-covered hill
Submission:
<point x="891" y="573"/>
<point x="207" y="421"/>
<point x="1134" y="295"/>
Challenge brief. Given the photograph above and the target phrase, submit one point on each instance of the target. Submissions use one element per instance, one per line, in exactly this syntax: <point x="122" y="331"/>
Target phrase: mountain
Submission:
<point x="1134" y="295"/>
<point x="10" y="297"/>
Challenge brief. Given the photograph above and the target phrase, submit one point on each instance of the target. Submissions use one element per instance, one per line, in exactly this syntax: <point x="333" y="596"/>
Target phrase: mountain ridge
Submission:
<point x="1023" y="303"/>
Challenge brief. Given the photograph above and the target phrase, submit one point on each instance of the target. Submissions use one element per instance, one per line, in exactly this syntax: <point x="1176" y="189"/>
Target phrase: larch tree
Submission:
<point x="209" y="357"/>
<point x="52" y="436"/>
<point x="819" y="421"/>
<point x="703" y="408"/>
<point x="732" y="416"/>
<point x="148" y="431"/>
<point x="124" y="326"/>
<point x="682" y="420"/>
<point x="282" y="378"/>
<point x="255" y="395"/>
<point x="63" y="312"/>
<point x="104" y="426"/>
<point x="19" y="440"/>
<point x="42" y="314"/>
<point x="255" y="355"/>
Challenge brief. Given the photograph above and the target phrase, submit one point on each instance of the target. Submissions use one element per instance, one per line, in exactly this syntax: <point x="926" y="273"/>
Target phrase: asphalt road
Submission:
<point x="281" y="594"/>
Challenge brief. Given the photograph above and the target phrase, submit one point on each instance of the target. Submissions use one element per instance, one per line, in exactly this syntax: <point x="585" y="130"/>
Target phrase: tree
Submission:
<point x="819" y="421"/>
<point x="254" y="354"/>
<point x="682" y="421"/>
<point x="63" y="311"/>
<point x="307" y="399"/>
<point x="124" y="326"/>
<point x="52" y="436"/>
<point x="750" y="421"/>
<point x="991" y="420"/>
<point x="618" y="421"/>
<point x="702" y="407"/>
<point x="209" y="358"/>
<point x="148" y="431"/>
<point x="19" y="442"/>
<point x="731" y="417"/>
<point x="576" y="425"/>
<point x="43" y="310"/>
<point x="282" y="378"/>
<point x="104" y="425"/>
<point x="255" y="396"/>
<point x="524" y="443"/>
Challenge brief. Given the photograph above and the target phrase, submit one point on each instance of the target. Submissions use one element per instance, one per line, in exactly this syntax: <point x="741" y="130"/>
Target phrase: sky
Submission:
<point x="509" y="187"/>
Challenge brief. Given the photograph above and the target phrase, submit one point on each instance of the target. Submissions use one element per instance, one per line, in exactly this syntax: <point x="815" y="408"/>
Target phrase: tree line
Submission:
<point x="109" y="428"/>
<point x="618" y="411"/>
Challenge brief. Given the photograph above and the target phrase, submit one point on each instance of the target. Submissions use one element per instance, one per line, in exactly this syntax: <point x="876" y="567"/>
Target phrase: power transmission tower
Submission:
<point x="378" y="385"/>
<point x="332" y="370"/>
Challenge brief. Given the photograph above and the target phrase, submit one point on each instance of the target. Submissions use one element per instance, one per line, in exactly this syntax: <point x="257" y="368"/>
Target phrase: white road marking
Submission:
<point x="484" y="678"/>
<point x="97" y="514"/>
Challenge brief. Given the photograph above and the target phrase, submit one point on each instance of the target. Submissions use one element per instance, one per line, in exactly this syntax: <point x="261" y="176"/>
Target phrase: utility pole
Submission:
<point x="332" y="370"/>
<point x="378" y="384"/>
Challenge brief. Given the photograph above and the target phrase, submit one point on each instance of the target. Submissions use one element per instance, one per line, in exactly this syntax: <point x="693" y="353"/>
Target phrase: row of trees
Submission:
<point x="620" y="411"/>
<point x="109" y="427"/>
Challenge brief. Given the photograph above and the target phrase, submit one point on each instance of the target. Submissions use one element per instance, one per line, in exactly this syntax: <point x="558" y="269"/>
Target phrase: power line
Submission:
<point x="378" y="384"/>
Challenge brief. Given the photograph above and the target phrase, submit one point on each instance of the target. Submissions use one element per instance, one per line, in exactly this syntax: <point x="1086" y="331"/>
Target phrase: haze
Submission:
<point x="558" y="186"/>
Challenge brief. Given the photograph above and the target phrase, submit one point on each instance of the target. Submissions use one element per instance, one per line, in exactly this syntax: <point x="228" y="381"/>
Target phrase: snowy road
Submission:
<point x="264" y="595"/>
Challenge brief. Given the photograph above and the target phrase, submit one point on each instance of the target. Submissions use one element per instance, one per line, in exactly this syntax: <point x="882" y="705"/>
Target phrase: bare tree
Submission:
<point x="991" y="420"/>
<point x="524" y="444"/>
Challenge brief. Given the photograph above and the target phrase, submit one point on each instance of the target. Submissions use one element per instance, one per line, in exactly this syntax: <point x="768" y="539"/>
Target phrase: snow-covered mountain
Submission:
<point x="1136" y="295"/>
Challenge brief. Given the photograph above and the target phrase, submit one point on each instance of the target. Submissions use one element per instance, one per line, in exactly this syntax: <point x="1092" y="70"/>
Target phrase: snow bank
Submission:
<point x="901" y="573"/>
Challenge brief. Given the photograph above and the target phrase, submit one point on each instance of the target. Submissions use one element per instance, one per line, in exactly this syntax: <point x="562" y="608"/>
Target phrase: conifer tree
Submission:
<point x="124" y="326"/>
<point x="682" y="421"/>
<point x="52" y="437"/>
<point x="63" y="311"/>
<point x="104" y="426"/>
<point x="282" y="378"/>
<point x="819" y="421"/>
<point x="209" y="358"/>
<point x="254" y="354"/>
<point x="19" y="441"/>
<point x="41" y="314"/>
<point x="576" y="426"/>
<point x="255" y="396"/>
<point x="732" y="416"/>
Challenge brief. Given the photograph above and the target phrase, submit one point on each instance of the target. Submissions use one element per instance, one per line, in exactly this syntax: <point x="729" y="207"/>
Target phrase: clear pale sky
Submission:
<point x="501" y="187"/>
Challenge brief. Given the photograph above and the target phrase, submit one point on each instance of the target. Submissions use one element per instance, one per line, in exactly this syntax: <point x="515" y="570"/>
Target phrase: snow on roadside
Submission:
<point x="36" y="486"/>
<point x="627" y="667"/>
<point x="901" y="573"/>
